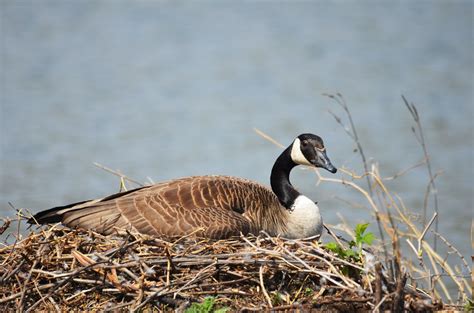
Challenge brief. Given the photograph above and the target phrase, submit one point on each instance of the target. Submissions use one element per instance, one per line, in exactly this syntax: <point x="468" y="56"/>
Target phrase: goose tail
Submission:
<point x="54" y="215"/>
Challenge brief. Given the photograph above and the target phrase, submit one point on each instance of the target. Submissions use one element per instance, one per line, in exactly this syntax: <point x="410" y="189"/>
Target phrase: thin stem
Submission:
<point x="352" y="132"/>
<point x="416" y="117"/>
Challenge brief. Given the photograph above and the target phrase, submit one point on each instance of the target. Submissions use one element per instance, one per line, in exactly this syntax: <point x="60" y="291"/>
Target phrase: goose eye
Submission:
<point x="304" y="143"/>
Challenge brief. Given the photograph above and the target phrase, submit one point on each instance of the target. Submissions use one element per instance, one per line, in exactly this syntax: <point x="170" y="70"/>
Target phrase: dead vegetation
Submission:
<point x="59" y="268"/>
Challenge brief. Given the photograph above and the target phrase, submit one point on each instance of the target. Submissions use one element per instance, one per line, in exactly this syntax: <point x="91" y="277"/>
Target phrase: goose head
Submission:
<point x="308" y="149"/>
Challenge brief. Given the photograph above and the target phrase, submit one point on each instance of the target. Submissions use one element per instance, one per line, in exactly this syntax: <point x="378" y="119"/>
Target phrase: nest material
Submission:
<point x="63" y="269"/>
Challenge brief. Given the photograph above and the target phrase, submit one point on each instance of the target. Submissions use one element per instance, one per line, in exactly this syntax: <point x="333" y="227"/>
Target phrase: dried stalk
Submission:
<point x="421" y="139"/>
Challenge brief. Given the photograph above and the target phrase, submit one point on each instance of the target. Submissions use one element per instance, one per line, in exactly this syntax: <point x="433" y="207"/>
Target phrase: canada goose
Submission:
<point x="209" y="206"/>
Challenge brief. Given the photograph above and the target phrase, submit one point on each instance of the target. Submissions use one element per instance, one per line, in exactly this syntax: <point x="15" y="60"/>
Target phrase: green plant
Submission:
<point x="361" y="238"/>
<point x="308" y="291"/>
<point x="207" y="306"/>
<point x="277" y="298"/>
<point x="469" y="306"/>
<point x="340" y="251"/>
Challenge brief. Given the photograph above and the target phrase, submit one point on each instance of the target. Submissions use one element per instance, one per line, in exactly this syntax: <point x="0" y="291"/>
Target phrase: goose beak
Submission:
<point x="330" y="168"/>
<point x="325" y="163"/>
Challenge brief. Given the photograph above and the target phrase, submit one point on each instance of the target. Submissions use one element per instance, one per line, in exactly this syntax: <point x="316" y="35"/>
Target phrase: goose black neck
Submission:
<point x="280" y="179"/>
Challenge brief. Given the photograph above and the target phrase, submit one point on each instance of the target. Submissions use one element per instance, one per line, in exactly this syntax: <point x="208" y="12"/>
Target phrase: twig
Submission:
<point x="267" y="137"/>
<point x="376" y="308"/>
<point x="333" y="235"/>
<point x="18" y="294"/>
<point x="120" y="175"/>
<point x="378" y="286"/>
<point x="403" y="172"/>
<point x="352" y="132"/>
<point x="398" y="304"/>
<point x="262" y="285"/>
<point x="450" y="246"/>
<point x="416" y="117"/>
<point x="420" y="239"/>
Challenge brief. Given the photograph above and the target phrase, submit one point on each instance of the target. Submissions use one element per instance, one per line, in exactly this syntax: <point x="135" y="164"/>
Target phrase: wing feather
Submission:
<point x="219" y="205"/>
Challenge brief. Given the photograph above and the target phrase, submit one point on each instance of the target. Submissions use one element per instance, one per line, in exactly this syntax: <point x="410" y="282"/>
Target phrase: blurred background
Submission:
<point x="162" y="90"/>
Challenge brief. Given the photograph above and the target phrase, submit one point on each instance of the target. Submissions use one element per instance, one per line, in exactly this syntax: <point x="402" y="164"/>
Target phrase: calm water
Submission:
<point x="170" y="89"/>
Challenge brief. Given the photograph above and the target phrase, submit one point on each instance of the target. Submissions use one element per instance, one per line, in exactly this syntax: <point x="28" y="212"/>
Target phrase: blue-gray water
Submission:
<point x="171" y="89"/>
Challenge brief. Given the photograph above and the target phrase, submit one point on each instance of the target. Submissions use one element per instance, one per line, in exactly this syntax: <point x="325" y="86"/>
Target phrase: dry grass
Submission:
<point x="58" y="269"/>
<point x="399" y="232"/>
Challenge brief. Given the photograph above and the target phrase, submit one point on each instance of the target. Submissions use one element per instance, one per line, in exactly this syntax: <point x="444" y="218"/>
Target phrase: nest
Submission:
<point x="62" y="269"/>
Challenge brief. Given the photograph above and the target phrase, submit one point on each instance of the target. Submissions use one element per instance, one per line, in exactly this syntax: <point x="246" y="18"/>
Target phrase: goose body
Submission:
<point x="208" y="206"/>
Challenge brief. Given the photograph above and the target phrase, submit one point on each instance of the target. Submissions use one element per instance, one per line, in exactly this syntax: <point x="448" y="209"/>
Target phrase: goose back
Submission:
<point x="211" y="206"/>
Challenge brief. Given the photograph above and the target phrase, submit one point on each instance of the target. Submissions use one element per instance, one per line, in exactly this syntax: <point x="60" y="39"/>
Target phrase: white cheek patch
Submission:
<point x="296" y="154"/>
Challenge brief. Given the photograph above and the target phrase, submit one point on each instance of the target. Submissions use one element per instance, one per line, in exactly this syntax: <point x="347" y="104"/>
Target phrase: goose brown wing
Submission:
<point x="209" y="204"/>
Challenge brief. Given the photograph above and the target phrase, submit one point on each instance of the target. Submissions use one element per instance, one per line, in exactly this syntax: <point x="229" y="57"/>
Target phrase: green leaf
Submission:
<point x="368" y="238"/>
<point x="204" y="307"/>
<point x="350" y="253"/>
<point x="359" y="231"/>
<point x="208" y="304"/>
<point x="469" y="306"/>
<point x="360" y="228"/>
<point x="334" y="247"/>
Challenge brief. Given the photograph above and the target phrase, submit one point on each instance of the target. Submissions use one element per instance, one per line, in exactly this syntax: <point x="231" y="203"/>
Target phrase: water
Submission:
<point x="171" y="89"/>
